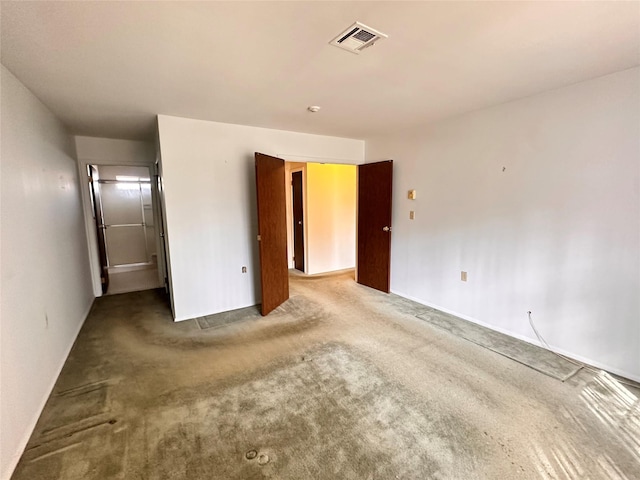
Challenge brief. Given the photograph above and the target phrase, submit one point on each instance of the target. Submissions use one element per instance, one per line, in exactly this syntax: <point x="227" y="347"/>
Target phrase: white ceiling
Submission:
<point x="105" y="69"/>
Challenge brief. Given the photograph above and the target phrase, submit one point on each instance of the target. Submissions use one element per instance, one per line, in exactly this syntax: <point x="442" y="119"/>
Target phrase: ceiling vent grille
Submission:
<point x="357" y="37"/>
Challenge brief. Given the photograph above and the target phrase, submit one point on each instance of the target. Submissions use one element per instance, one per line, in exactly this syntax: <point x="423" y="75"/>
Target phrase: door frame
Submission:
<point x="297" y="199"/>
<point x="293" y="159"/>
<point x="290" y="168"/>
<point x="95" y="197"/>
<point x="288" y="159"/>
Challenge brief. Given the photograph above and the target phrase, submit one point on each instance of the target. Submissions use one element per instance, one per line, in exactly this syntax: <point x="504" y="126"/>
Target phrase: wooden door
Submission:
<point x="96" y="202"/>
<point x="374" y="224"/>
<point x="298" y="221"/>
<point x="272" y="231"/>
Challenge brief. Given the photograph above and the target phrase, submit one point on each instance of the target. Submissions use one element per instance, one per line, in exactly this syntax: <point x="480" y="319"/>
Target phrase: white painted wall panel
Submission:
<point x="209" y="187"/>
<point x="557" y="232"/>
<point x="46" y="285"/>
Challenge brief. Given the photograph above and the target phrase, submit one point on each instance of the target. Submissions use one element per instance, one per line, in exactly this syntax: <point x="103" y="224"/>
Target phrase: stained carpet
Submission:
<point x="340" y="382"/>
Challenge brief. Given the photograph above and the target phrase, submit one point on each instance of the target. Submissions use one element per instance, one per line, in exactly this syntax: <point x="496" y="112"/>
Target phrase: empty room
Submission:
<point x="320" y="240"/>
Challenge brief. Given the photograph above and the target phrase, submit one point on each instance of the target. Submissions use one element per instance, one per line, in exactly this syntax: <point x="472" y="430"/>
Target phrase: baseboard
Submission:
<point x="13" y="463"/>
<point x="533" y="341"/>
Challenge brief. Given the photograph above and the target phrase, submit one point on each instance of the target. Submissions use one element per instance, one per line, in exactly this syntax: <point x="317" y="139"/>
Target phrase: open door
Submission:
<point x="298" y="220"/>
<point x="272" y="231"/>
<point x="374" y="224"/>
<point x="96" y="202"/>
<point x="163" y="262"/>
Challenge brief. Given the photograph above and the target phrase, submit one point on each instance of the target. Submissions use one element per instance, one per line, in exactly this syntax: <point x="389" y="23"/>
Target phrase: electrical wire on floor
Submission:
<point x="544" y="343"/>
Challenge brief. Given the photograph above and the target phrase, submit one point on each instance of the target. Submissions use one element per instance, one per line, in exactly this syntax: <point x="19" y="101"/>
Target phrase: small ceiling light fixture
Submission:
<point x="313" y="108"/>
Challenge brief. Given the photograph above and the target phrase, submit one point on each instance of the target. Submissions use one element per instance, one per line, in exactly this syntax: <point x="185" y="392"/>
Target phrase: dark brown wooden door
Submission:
<point x="96" y="202"/>
<point x="272" y="231"/>
<point x="374" y="224"/>
<point x="298" y="221"/>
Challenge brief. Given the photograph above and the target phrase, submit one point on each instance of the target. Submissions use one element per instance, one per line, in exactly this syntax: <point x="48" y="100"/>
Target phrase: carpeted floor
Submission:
<point x="341" y="382"/>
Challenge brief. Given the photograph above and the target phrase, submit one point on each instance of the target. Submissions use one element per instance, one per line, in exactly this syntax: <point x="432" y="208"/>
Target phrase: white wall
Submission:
<point x="46" y="287"/>
<point x="330" y="217"/>
<point x="557" y="232"/>
<point x="106" y="151"/>
<point x="209" y="190"/>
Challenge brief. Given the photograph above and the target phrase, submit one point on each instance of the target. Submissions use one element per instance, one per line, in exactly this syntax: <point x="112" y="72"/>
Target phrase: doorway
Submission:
<point x="123" y="203"/>
<point x="374" y="181"/>
<point x="321" y="217"/>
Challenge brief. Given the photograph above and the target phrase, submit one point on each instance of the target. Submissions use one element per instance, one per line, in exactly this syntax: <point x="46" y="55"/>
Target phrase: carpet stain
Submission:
<point x="367" y="427"/>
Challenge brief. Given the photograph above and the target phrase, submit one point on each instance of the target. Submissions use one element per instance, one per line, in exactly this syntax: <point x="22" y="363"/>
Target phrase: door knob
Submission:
<point x="386" y="229"/>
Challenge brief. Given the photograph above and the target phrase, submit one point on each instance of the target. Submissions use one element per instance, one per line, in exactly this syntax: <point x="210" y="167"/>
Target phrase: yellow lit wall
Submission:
<point x="330" y="217"/>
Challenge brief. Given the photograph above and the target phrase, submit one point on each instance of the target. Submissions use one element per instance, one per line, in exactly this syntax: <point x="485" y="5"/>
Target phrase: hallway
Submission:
<point x="341" y="382"/>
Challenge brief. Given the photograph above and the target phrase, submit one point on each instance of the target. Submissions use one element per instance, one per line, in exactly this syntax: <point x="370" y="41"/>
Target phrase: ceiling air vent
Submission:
<point x="357" y="37"/>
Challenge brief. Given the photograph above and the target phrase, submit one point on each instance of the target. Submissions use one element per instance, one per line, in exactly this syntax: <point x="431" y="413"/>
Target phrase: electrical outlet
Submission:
<point x="463" y="276"/>
<point x="412" y="215"/>
<point x="244" y="269"/>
